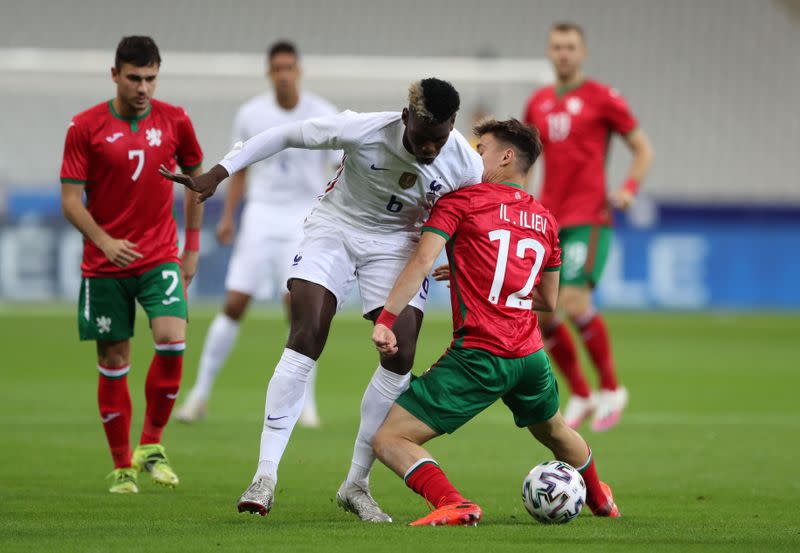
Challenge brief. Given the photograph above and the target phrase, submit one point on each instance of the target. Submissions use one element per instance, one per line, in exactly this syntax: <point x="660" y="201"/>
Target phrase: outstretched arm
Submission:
<point x="261" y="146"/>
<point x="406" y="285"/>
<point x="333" y="132"/>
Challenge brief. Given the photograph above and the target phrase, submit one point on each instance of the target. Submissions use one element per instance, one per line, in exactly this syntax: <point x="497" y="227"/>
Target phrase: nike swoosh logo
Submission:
<point x="377" y="168"/>
<point x="114" y="137"/>
<point x="271" y="418"/>
<point x="172" y="396"/>
<point x="110" y="417"/>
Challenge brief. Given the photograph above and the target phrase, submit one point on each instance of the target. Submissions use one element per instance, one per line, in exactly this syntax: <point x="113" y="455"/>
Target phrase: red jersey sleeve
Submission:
<point x="189" y="154"/>
<point x="447" y="215"/>
<point x="617" y="113"/>
<point x="553" y="263"/>
<point x="75" y="164"/>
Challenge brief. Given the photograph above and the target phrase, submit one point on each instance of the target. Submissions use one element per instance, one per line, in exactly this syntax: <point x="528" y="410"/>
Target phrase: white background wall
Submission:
<point x="714" y="82"/>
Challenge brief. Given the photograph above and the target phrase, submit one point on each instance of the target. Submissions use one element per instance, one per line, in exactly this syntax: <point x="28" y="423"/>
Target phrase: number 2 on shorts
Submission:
<point x="519" y="299"/>
<point x="173" y="276"/>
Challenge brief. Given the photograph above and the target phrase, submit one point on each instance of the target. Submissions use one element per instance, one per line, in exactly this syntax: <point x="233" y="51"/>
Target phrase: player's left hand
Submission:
<point x="189" y="260"/>
<point x="384" y="339"/>
<point x="621" y="199"/>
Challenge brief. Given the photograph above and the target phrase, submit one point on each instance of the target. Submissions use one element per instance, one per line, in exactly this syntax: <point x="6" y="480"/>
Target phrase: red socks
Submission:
<point x="595" y="496"/>
<point x="595" y="337"/>
<point x="115" y="412"/>
<point x="427" y="479"/>
<point x="161" y="389"/>
<point x="562" y="349"/>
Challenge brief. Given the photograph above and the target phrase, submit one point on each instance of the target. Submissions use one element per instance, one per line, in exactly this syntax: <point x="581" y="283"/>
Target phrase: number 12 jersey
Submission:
<point x="499" y="241"/>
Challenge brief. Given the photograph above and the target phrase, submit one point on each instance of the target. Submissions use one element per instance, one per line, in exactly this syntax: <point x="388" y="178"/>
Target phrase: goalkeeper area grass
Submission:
<point x="704" y="459"/>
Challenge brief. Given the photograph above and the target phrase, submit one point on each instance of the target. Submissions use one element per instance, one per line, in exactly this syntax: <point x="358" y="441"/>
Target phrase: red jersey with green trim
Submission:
<point x="576" y="129"/>
<point x="117" y="160"/>
<point x="499" y="240"/>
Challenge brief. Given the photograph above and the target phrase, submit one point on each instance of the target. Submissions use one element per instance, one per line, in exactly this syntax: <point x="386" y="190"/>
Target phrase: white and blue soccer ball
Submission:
<point x="554" y="492"/>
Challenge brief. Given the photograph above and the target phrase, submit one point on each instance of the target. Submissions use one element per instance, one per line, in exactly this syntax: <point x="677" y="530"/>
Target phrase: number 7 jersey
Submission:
<point x="117" y="160"/>
<point x="499" y="241"/>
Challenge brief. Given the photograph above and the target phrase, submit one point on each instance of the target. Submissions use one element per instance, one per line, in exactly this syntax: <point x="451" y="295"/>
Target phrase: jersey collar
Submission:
<point x="562" y="91"/>
<point x="515" y="185"/>
<point x="134" y="121"/>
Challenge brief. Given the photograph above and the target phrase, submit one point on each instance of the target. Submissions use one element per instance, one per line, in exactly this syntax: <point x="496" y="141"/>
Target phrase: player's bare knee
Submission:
<point x="401" y="362"/>
<point x="165" y="335"/>
<point x="381" y="442"/>
<point x="306" y="339"/>
<point x="113" y="355"/>
<point x="575" y="301"/>
<point x="235" y="305"/>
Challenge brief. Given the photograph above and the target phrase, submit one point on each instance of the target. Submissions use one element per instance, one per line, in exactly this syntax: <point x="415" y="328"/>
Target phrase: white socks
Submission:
<point x="285" y="396"/>
<point x="220" y="339"/>
<point x="382" y="391"/>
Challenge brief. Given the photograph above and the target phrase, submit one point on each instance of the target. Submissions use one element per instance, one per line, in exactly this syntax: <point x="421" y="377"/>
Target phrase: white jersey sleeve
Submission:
<point x="473" y="164"/>
<point x="343" y="131"/>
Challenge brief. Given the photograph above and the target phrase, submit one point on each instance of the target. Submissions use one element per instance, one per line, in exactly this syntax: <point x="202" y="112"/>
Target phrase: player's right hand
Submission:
<point x="384" y="339"/>
<point x="226" y="229"/>
<point x="120" y="252"/>
<point x="205" y="185"/>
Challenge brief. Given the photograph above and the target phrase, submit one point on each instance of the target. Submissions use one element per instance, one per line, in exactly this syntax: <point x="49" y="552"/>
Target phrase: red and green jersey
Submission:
<point x="117" y="159"/>
<point x="576" y="128"/>
<point x="499" y="240"/>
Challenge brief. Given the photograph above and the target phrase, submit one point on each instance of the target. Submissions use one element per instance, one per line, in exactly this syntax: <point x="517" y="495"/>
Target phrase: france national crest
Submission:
<point x="407" y="180"/>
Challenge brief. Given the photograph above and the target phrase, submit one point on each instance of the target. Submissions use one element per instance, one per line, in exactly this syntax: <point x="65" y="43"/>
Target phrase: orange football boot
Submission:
<point x="609" y="508"/>
<point x="457" y="514"/>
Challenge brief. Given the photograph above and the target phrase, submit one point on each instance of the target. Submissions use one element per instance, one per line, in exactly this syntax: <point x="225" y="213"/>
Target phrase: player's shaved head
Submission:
<point x="523" y="139"/>
<point x="140" y="51"/>
<point x="433" y="100"/>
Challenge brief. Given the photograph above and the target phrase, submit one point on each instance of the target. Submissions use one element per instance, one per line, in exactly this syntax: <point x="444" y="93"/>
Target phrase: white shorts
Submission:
<point x="260" y="262"/>
<point x="336" y="256"/>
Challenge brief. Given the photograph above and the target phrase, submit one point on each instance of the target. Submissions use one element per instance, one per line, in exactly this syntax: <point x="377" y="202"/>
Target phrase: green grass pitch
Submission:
<point x="705" y="458"/>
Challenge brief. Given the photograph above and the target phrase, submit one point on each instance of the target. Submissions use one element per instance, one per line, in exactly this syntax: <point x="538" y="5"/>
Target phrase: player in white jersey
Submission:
<point x="282" y="190"/>
<point x="395" y="166"/>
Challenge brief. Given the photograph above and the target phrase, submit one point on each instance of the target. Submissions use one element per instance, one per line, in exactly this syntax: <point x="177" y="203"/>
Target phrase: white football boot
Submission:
<point x="258" y="497"/>
<point x="609" y="407"/>
<point x="357" y="500"/>
<point x="194" y="409"/>
<point x="578" y="409"/>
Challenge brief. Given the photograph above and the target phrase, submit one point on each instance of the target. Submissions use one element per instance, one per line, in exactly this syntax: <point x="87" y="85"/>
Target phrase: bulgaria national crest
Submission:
<point x="407" y="180"/>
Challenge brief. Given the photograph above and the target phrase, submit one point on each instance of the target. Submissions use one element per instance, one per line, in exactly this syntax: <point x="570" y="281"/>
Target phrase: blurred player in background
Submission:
<point x="281" y="191"/>
<point x="112" y="153"/>
<point x="363" y="231"/>
<point x="503" y="250"/>
<point x="576" y="118"/>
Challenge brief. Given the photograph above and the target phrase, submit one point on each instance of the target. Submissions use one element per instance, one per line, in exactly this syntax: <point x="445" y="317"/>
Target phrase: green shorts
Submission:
<point x="584" y="252"/>
<point x="464" y="382"/>
<point x="107" y="308"/>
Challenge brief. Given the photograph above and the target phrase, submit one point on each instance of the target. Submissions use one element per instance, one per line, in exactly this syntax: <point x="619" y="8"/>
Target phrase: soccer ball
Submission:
<point x="553" y="492"/>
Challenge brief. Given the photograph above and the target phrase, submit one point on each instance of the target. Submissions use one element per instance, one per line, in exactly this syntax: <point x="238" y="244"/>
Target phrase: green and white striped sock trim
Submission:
<point x="170" y="348"/>
<point x="114" y="373"/>
<point x="413" y="468"/>
<point x="585" y="466"/>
